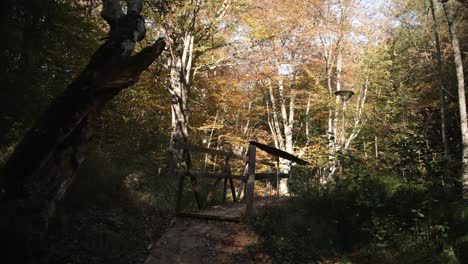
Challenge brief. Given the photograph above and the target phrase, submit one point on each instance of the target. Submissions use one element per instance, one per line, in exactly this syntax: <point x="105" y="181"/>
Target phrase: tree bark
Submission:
<point x="339" y="65"/>
<point x="275" y="127"/>
<point x="44" y="164"/>
<point x="187" y="31"/>
<point x="440" y="84"/>
<point x="359" y="120"/>
<point x="250" y="191"/>
<point x="288" y="122"/>
<point x="179" y="88"/>
<point x="307" y="120"/>
<point x="461" y="98"/>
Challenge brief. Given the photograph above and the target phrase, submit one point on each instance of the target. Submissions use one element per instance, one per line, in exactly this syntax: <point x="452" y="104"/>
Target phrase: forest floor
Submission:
<point x="198" y="239"/>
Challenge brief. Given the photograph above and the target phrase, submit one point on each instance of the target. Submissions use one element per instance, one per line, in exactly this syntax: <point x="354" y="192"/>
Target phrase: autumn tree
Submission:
<point x="457" y="57"/>
<point x="191" y="28"/>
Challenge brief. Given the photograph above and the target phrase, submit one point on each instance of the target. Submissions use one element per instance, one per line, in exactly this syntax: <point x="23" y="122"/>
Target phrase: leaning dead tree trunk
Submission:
<point x="44" y="164"/>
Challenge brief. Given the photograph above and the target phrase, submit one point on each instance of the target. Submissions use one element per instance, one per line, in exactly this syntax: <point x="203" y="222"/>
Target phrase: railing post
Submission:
<point x="193" y="180"/>
<point x="241" y="188"/>
<point x="249" y="195"/>
<point x="227" y="173"/>
<point x="180" y="192"/>
<point x="277" y="177"/>
<point x="231" y="183"/>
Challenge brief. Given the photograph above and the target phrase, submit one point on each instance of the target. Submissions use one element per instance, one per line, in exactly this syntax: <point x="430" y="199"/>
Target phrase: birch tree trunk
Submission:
<point x="281" y="126"/>
<point x="288" y="125"/>
<point x="307" y="120"/>
<point x="180" y="124"/>
<point x="329" y="63"/>
<point x="210" y="137"/>
<point x="461" y="98"/>
<point x="180" y="64"/>
<point x="333" y="118"/>
<point x="45" y="163"/>
<point x="274" y="122"/>
<point x="244" y="130"/>
<point x="359" y="120"/>
<point x="339" y="136"/>
<point x="186" y="31"/>
<point x="287" y="117"/>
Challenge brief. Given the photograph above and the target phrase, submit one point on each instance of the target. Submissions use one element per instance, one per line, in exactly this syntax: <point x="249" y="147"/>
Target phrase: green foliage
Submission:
<point x="111" y="214"/>
<point x="46" y="44"/>
<point x="384" y="218"/>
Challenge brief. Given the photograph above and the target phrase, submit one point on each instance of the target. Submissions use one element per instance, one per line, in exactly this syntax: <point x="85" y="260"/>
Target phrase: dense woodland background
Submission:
<point x="388" y="187"/>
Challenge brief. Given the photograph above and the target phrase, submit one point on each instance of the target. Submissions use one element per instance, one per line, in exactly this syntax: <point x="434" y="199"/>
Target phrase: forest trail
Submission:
<point x="203" y="238"/>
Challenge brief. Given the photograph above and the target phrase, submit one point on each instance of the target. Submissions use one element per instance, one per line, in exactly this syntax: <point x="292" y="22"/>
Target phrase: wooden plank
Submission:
<point x="241" y="185"/>
<point x="263" y="162"/>
<point x="250" y="191"/>
<point x="232" y="155"/>
<point x="210" y="217"/>
<point x="227" y="171"/>
<point x="258" y="176"/>
<point x="270" y="176"/>
<point x="210" y="151"/>
<point x="225" y="190"/>
<point x="209" y="175"/>
<point x="279" y="153"/>
<point x="277" y="177"/>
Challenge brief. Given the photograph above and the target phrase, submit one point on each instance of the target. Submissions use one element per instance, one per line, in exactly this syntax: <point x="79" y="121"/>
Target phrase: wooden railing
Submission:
<point x="247" y="179"/>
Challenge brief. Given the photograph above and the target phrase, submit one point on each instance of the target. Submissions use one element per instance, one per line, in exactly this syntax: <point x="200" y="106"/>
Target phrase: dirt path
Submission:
<point x="191" y="240"/>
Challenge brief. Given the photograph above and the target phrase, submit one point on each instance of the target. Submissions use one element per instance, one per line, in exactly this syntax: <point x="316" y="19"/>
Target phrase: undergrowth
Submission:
<point x="112" y="214"/>
<point x="370" y="219"/>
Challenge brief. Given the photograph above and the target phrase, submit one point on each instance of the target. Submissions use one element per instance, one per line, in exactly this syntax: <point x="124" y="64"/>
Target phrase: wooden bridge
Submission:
<point x="246" y="181"/>
<point x="197" y="236"/>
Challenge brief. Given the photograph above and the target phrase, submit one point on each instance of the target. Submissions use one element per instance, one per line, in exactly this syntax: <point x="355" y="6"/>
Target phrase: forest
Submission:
<point x="101" y="100"/>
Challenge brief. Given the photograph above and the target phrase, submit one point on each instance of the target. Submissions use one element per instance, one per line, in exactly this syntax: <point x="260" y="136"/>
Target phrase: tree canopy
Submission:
<point x="234" y="71"/>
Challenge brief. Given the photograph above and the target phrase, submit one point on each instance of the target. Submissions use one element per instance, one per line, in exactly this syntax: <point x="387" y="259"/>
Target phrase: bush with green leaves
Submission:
<point x="384" y="218"/>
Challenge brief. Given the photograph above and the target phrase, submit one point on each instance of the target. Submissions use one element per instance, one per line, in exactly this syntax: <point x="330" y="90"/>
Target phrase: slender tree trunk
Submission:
<point x="307" y="121"/>
<point x="376" y="147"/>
<point x="247" y="124"/>
<point x="288" y="122"/>
<point x="461" y="98"/>
<point x="331" y="131"/>
<point x="44" y="164"/>
<point x="243" y="131"/>
<point x="338" y="135"/>
<point x="440" y="85"/>
<point x="329" y="62"/>
<point x="358" y="116"/>
<point x="210" y="137"/>
<point x="287" y="117"/>
<point x="271" y="125"/>
<point x="275" y="121"/>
